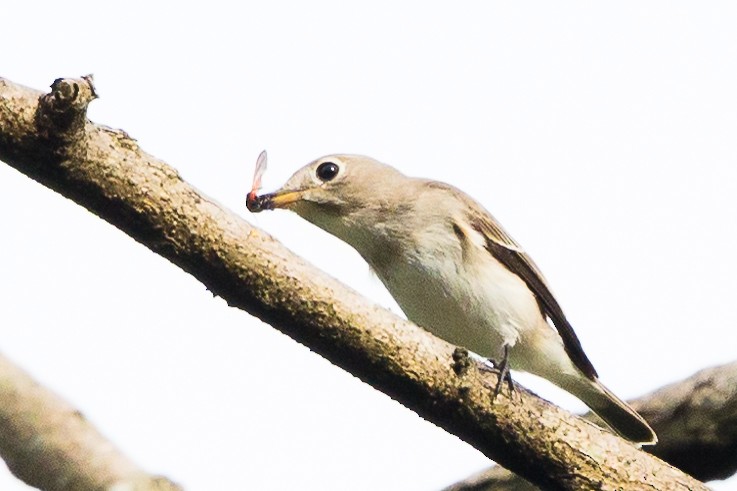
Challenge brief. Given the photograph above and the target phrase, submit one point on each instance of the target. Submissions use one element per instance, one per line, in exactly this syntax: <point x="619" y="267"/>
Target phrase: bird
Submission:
<point x="453" y="270"/>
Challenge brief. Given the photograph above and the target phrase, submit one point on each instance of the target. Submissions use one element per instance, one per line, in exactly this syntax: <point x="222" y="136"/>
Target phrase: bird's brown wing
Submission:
<point x="511" y="255"/>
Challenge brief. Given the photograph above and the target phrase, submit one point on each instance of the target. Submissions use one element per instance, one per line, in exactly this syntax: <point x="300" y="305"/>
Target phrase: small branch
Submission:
<point x="495" y="478"/>
<point x="696" y="422"/>
<point x="50" y="445"/>
<point x="63" y="111"/>
<point x="106" y="172"/>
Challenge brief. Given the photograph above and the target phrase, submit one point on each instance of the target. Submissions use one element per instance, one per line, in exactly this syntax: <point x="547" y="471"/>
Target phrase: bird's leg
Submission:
<point x="504" y="373"/>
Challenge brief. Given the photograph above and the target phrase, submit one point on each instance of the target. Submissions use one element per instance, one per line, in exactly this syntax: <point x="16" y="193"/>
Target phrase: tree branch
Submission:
<point x="106" y="172"/>
<point x="50" y="445"/>
<point x="696" y="422"/>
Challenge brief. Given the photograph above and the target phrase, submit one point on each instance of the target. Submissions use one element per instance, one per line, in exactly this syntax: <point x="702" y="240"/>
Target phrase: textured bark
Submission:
<point x="50" y="445"/>
<point x="49" y="139"/>
<point x="695" y="419"/>
<point x="697" y="422"/>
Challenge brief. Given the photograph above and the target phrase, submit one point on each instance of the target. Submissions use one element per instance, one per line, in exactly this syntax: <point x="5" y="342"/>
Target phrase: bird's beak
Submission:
<point x="277" y="199"/>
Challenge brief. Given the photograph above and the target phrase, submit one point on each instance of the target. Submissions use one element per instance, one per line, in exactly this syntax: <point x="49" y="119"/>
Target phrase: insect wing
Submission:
<point x="259" y="172"/>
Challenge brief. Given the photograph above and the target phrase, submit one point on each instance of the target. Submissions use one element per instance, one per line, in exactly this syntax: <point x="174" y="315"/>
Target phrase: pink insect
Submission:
<point x="260" y="169"/>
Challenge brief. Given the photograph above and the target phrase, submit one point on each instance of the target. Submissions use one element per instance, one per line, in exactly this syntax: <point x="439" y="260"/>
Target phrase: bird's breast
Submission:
<point x="469" y="300"/>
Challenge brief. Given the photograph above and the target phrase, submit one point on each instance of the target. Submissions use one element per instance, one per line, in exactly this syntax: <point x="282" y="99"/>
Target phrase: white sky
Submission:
<point x="601" y="134"/>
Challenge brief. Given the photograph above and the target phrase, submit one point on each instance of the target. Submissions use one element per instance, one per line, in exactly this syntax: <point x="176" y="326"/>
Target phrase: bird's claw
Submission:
<point x="504" y="374"/>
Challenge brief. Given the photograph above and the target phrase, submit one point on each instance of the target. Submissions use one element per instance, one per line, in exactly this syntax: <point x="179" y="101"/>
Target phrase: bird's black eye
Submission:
<point x="327" y="171"/>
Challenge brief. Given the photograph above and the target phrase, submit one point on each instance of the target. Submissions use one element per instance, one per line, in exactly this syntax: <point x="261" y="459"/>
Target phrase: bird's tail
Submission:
<point x="615" y="412"/>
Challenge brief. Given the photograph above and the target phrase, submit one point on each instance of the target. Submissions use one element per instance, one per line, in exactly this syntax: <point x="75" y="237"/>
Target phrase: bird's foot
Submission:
<point x="504" y="374"/>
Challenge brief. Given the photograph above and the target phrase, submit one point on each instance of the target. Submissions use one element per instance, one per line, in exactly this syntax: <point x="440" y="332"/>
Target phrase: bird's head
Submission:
<point x="338" y="193"/>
